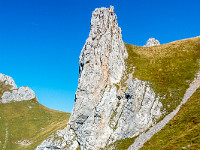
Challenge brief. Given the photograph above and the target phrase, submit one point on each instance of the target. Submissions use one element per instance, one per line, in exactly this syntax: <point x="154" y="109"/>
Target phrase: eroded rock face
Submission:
<point x="103" y="112"/>
<point x="20" y="94"/>
<point x="101" y="64"/>
<point x="118" y="116"/>
<point x="136" y="111"/>
<point x="12" y="93"/>
<point x="152" y="42"/>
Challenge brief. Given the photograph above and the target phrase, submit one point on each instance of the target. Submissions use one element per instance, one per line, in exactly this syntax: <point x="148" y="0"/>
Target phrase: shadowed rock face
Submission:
<point x="152" y="42"/>
<point x="13" y="93"/>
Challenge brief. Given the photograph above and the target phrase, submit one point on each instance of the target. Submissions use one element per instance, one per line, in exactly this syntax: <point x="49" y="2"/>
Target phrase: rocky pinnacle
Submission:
<point x="102" y="113"/>
<point x="101" y="64"/>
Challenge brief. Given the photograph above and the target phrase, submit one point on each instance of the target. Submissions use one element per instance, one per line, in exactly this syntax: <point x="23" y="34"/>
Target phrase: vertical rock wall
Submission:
<point x="101" y="64"/>
<point x="102" y="114"/>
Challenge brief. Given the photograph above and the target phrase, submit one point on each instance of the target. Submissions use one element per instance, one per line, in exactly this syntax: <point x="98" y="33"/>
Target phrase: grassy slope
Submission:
<point x="169" y="68"/>
<point x="28" y="120"/>
<point x="121" y="144"/>
<point x="182" y="131"/>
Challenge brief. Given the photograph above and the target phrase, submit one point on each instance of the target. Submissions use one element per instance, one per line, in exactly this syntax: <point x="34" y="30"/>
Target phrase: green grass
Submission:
<point x="169" y="68"/>
<point x="182" y="131"/>
<point x="121" y="144"/>
<point x="28" y="120"/>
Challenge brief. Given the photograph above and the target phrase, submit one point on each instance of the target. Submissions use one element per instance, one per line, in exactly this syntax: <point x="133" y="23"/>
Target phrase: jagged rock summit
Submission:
<point x="152" y="42"/>
<point x="9" y="91"/>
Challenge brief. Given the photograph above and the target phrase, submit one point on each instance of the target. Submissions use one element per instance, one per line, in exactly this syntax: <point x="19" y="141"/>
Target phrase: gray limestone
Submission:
<point x="62" y="139"/>
<point x="102" y="114"/>
<point x="14" y="93"/>
<point x="145" y="136"/>
<point x="101" y="64"/>
<point x="140" y="108"/>
<point x="20" y="94"/>
<point x="152" y="42"/>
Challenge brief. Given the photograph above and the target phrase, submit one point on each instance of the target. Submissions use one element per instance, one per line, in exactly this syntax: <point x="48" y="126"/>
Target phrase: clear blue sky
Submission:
<point x="40" y="40"/>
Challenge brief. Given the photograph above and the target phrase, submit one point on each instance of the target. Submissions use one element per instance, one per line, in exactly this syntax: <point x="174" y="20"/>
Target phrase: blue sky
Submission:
<point x="40" y="40"/>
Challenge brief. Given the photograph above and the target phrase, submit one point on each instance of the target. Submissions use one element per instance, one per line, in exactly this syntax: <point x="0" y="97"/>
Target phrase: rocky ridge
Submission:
<point x="10" y="92"/>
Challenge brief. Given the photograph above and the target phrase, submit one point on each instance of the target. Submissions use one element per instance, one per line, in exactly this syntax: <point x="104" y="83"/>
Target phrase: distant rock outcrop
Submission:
<point x="10" y="92"/>
<point x="152" y="42"/>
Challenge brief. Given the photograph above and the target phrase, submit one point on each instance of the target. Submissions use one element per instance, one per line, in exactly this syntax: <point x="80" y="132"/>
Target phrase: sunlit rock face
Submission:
<point x="103" y="112"/>
<point x="101" y="64"/>
<point x="10" y="92"/>
<point x="64" y="139"/>
<point x="20" y="94"/>
<point x="152" y="42"/>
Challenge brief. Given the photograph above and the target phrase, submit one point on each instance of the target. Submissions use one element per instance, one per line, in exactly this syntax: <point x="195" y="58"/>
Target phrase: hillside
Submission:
<point x="25" y="124"/>
<point x="169" y="68"/>
<point x="182" y="132"/>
